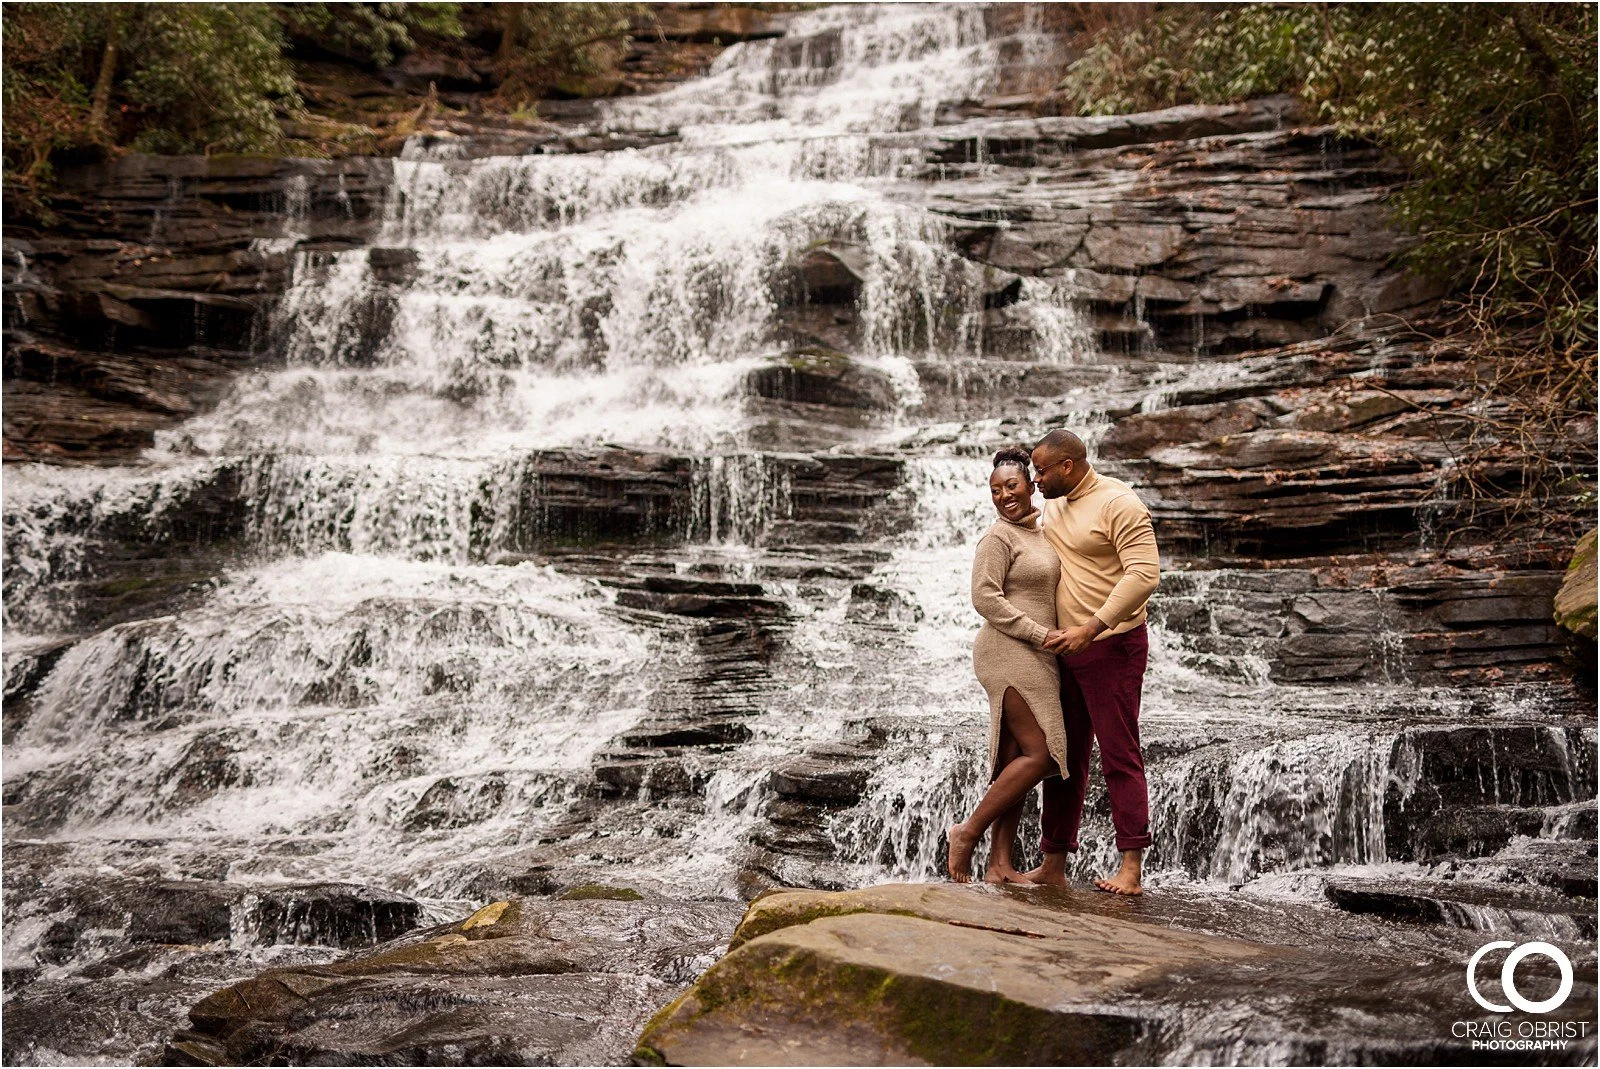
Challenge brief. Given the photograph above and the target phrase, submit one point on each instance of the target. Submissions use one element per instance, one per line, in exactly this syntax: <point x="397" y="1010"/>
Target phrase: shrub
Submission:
<point x="163" y="77"/>
<point x="1491" y="107"/>
<point x="370" y="33"/>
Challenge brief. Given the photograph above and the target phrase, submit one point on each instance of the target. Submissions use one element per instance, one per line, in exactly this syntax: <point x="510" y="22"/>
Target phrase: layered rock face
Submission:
<point x="135" y="310"/>
<point x="468" y="528"/>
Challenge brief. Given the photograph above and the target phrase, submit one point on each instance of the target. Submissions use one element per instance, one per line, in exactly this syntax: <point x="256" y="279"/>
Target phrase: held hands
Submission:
<point x="1073" y="639"/>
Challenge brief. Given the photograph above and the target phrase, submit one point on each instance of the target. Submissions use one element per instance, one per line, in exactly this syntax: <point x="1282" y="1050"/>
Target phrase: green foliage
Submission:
<point x="572" y="47"/>
<point x="84" y="80"/>
<point x="163" y="77"/>
<point x="206" y="77"/>
<point x="376" y="33"/>
<point x="1491" y="106"/>
<point x="46" y="101"/>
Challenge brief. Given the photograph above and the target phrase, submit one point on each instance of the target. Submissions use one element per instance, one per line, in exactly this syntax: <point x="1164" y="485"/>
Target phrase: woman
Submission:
<point x="1014" y="576"/>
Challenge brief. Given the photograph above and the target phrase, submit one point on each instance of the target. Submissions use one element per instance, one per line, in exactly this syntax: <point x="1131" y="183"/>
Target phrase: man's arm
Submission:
<point x="1127" y="524"/>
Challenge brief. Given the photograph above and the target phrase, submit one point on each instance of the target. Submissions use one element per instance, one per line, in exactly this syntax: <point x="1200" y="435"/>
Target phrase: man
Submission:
<point x="1109" y="568"/>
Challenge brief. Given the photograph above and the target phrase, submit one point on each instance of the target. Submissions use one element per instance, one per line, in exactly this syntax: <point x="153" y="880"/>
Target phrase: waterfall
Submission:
<point x="603" y="487"/>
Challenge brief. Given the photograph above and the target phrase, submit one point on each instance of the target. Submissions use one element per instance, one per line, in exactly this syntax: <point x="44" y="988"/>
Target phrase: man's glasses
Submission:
<point x="1038" y="471"/>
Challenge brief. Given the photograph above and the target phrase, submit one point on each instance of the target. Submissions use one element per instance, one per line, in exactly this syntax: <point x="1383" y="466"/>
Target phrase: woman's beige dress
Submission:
<point x="1014" y="575"/>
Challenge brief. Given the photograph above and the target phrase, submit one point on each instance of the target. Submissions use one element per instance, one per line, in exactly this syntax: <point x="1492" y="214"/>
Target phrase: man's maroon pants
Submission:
<point x="1100" y="700"/>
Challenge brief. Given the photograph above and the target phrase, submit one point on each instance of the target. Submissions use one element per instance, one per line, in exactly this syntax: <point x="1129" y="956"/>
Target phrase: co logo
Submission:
<point x="1508" y="977"/>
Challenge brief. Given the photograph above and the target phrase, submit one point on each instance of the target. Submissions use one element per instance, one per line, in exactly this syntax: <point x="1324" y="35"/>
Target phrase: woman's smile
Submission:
<point x="1011" y="492"/>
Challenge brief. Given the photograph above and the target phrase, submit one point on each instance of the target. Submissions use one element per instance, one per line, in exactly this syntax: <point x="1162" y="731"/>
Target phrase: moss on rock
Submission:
<point x="907" y="974"/>
<point x="1575" y="601"/>
<point x="602" y="891"/>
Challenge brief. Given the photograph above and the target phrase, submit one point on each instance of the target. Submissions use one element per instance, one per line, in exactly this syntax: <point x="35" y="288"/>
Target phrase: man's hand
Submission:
<point x="1073" y="639"/>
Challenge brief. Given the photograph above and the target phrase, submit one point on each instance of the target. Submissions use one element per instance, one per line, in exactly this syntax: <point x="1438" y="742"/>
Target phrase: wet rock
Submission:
<point x="1565" y="866"/>
<point x="393" y="266"/>
<point x="90" y="918"/>
<point x="876" y="604"/>
<point x="26" y="666"/>
<point x="145" y="297"/>
<point x="208" y="765"/>
<point x="1471" y="790"/>
<point x="1175" y="268"/>
<point x="700" y="604"/>
<point x="823" y="377"/>
<point x="832" y="775"/>
<point x="1024" y="141"/>
<point x="1137" y="435"/>
<point x="1341" y="622"/>
<point x="907" y="974"/>
<point x="517" y="983"/>
<point x="172" y="385"/>
<point x="1493" y="908"/>
<point x="103" y="916"/>
<point x="797" y="828"/>
<point x="830" y="274"/>
<point x="662" y="735"/>
<point x="686" y="584"/>
<point x="457" y="801"/>
<point x="62" y="422"/>
<point x="328" y="914"/>
<point x="705" y="23"/>
<point x="122" y="1019"/>
<point x="1575" y="601"/>
<point x="654" y="771"/>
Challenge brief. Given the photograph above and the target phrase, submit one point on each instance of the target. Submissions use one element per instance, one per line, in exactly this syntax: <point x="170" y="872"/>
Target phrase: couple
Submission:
<point x="1062" y="654"/>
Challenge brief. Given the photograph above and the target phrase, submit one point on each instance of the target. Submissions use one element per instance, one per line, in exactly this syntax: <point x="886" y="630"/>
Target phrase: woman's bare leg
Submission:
<point x="1013" y="783"/>
<point x="1003" y="834"/>
<point x="1002" y="843"/>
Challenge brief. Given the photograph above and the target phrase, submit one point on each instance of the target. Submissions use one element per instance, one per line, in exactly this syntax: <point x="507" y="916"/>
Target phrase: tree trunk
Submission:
<point x="100" y="100"/>
<point x="510" y="34"/>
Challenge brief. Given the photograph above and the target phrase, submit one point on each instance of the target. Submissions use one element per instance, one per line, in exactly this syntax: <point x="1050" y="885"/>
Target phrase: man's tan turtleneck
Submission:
<point x="1109" y="563"/>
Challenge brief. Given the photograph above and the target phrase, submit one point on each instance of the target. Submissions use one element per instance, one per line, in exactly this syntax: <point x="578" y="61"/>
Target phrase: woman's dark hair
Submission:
<point x="1015" y="455"/>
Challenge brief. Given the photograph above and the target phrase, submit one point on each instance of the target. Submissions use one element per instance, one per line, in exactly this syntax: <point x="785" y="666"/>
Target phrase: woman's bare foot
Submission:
<point x="1128" y="880"/>
<point x="962" y="843"/>
<point x="1053" y="873"/>
<point x="1007" y="875"/>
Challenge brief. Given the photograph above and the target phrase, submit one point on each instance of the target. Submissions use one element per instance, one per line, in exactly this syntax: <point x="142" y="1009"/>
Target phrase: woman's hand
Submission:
<point x="1073" y="639"/>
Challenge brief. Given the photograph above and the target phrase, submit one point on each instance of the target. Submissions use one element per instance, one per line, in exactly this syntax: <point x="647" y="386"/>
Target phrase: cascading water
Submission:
<point x="420" y="635"/>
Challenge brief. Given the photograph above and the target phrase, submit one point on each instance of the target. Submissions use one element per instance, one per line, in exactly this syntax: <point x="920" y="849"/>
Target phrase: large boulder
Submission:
<point x="921" y="974"/>
<point x="914" y="974"/>
<point x="1575" y="601"/>
<point x="520" y="982"/>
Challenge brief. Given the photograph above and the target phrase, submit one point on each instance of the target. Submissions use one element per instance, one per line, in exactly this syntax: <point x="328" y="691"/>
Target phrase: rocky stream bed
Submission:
<point x="442" y="591"/>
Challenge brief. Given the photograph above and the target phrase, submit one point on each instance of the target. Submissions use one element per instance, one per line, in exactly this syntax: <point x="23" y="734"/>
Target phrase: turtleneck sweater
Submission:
<point x="1109" y="563"/>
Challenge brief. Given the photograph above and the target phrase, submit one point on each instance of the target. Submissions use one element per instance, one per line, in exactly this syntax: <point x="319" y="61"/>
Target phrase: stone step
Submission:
<point x="828" y="775"/>
<point x="1492" y="908"/>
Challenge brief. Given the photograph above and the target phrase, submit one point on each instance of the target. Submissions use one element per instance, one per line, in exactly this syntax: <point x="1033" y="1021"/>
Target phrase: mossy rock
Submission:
<point x="924" y="974"/>
<point x="600" y="891"/>
<point x="1575" y="601"/>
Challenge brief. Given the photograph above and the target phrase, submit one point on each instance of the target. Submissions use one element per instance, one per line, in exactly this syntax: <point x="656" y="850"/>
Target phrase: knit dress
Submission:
<point x="1014" y="576"/>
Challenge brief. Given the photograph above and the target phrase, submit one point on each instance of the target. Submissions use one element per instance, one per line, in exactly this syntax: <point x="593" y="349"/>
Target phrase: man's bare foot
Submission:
<point x="1128" y="879"/>
<point x="1053" y="873"/>
<point x="1006" y="874"/>
<point x="962" y="843"/>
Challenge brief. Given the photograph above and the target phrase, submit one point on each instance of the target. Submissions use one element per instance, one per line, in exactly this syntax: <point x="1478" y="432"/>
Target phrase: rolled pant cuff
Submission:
<point x="1050" y="846"/>
<point x="1134" y="842"/>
